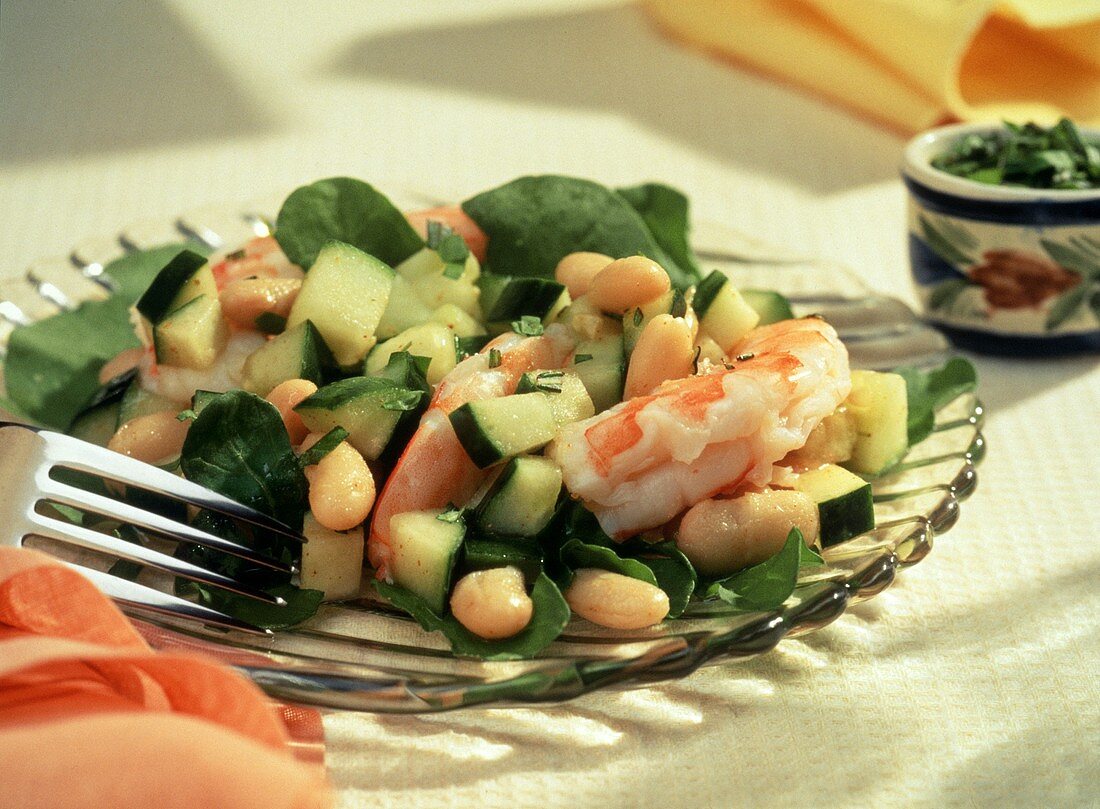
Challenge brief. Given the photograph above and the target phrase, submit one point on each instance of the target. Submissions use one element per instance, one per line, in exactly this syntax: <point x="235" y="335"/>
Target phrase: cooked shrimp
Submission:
<point x="639" y="464"/>
<point x="259" y="258"/>
<point x="434" y="469"/>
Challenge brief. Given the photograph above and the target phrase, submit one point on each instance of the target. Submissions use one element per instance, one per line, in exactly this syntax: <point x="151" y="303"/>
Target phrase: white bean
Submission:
<point x="286" y="396"/>
<point x="492" y="603"/>
<point x="664" y="351"/>
<point x="577" y="270"/>
<point x="153" y="438"/>
<point x="341" y="487"/>
<point x="628" y="283"/>
<point x="721" y="536"/>
<point x="616" y="601"/>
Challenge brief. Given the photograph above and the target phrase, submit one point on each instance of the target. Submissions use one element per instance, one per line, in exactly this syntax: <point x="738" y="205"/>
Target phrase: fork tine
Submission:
<point x="95" y="541"/>
<point x="150" y="521"/>
<point x="71" y="452"/>
<point x="137" y="595"/>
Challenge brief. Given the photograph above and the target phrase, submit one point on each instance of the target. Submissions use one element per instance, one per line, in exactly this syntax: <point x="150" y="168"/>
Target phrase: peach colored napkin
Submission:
<point x="90" y="716"/>
<point x="913" y="63"/>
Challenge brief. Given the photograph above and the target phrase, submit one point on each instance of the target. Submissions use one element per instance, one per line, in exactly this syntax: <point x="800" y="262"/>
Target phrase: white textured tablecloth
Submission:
<point x="973" y="681"/>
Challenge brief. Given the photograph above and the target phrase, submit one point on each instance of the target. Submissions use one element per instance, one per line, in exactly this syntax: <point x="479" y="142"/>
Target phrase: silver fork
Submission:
<point x="28" y="456"/>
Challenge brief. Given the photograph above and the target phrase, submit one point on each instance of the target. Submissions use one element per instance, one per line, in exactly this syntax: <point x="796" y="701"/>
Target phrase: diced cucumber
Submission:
<point x="601" y="366"/>
<point x="492" y="430"/>
<point x="191" y="336"/>
<point x="404" y="309"/>
<point x="468" y="346"/>
<point x="879" y="406"/>
<point x="458" y="321"/>
<point x="184" y="278"/>
<point x="408" y="372"/>
<point x="426" y="263"/>
<point x="634" y="321"/>
<point x="505" y="298"/>
<point x="436" y="290"/>
<point x="369" y="408"/>
<point x="522" y="499"/>
<point x="332" y="561"/>
<point x="344" y="294"/>
<point x="296" y="354"/>
<point x="432" y="340"/>
<point x="770" y="305"/>
<point x="424" y="550"/>
<point x="844" y="504"/>
<point x="137" y="401"/>
<point x="831" y="441"/>
<point x="724" y="315"/>
<point x="484" y="553"/>
<point x="564" y="391"/>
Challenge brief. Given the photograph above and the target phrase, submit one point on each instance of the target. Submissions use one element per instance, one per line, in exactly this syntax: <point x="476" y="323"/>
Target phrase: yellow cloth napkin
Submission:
<point x="913" y="63"/>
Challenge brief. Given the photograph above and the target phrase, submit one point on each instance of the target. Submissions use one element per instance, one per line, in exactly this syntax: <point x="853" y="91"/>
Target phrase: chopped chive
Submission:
<point x="638" y="317"/>
<point x="579" y="358"/>
<point x="695" y="359"/>
<point x="743" y="357"/>
<point x="236" y="255"/>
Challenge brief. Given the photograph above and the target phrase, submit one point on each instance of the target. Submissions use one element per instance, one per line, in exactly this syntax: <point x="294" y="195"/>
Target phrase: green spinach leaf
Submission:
<point x="576" y="555"/>
<point x="928" y="391"/>
<point x="548" y="620"/>
<point x="674" y="573"/>
<point x="665" y="212"/>
<point x="533" y="222"/>
<point x="764" y="586"/>
<point x="346" y="210"/>
<point x="52" y="368"/>
<point x="239" y="447"/>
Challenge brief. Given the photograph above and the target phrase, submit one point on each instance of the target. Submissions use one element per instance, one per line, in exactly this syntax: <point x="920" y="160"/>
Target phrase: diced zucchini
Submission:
<point x="879" y="406"/>
<point x="484" y="553"/>
<point x="564" y="391"/>
<point x="369" y="408"/>
<point x="331" y="561"/>
<point x="723" y="313"/>
<point x="424" y="551"/>
<point x="844" y="504"/>
<point x="344" y="294"/>
<point x="493" y="430"/>
<point x="458" y="321"/>
<point x="432" y="340"/>
<point x="137" y="401"/>
<point x="771" y="306"/>
<point x="184" y="278"/>
<point x="634" y="321"/>
<point x="505" y="298"/>
<point x="404" y="309"/>
<point x="522" y="499"/>
<point x="601" y="366"/>
<point x="191" y="336"/>
<point x="296" y="354"/>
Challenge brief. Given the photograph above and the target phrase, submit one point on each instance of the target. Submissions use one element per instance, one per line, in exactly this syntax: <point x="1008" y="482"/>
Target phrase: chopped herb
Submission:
<point x="402" y="399"/>
<point x="579" y="358"/>
<point x="695" y="359"/>
<point x="638" y="317"/>
<point x="186" y="415"/>
<point x="549" y="381"/>
<point x="1026" y="155"/>
<point x="452" y="514"/>
<point x="679" y="305"/>
<point x="236" y="255"/>
<point x="494" y="357"/>
<point x="528" y="325"/>
<point x="744" y="357"/>
<point x="451" y="248"/>
<point x="326" y="444"/>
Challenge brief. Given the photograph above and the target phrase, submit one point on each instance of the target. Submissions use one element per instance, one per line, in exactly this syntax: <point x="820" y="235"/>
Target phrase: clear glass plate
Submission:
<point x="363" y="655"/>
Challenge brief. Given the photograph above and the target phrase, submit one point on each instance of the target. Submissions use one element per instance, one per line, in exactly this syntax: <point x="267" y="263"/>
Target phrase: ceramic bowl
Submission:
<point x="1002" y="267"/>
